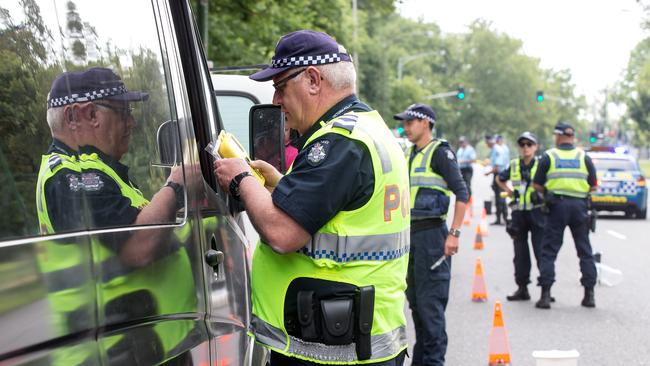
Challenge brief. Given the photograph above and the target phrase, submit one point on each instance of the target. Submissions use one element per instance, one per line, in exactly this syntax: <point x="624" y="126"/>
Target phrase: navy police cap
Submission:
<point x="417" y="110"/>
<point x="89" y="85"/>
<point x="527" y="136"/>
<point x="564" y="128"/>
<point x="302" y="48"/>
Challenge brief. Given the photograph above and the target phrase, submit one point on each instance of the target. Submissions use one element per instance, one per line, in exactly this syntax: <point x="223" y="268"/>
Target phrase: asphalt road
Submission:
<point x="616" y="332"/>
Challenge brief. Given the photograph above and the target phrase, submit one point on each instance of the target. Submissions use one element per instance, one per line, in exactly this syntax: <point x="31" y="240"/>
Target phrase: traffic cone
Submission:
<point x="479" y="293"/>
<point x="499" y="350"/>
<point x="484" y="225"/>
<point x="478" y="242"/>
<point x="467" y="220"/>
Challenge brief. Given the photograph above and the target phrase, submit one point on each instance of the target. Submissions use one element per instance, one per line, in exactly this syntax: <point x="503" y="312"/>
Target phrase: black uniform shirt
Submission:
<point x="318" y="187"/>
<point x="107" y="206"/>
<point x="62" y="195"/>
<point x="444" y="164"/>
<point x="545" y="164"/>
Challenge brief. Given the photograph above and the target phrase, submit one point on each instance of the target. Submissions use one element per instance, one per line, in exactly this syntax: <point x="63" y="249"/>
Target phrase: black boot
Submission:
<point x="544" y="300"/>
<point x="520" y="295"/>
<point x="589" y="301"/>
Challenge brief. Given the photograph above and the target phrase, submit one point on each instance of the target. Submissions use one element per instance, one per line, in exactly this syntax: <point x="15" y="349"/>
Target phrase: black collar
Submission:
<point x="119" y="168"/>
<point x="347" y="104"/>
<point x="59" y="146"/>
<point x="565" y="146"/>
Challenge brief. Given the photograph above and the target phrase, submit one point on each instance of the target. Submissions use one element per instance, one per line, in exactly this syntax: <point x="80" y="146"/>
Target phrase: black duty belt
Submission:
<point x="417" y="225"/>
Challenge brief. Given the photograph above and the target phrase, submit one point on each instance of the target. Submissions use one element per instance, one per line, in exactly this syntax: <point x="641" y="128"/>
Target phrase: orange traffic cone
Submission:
<point x="478" y="242"/>
<point x="470" y="204"/>
<point x="479" y="293"/>
<point x="484" y="225"/>
<point x="499" y="350"/>
<point x="467" y="220"/>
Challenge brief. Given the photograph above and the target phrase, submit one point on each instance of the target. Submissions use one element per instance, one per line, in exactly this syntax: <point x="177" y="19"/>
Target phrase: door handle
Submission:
<point x="214" y="258"/>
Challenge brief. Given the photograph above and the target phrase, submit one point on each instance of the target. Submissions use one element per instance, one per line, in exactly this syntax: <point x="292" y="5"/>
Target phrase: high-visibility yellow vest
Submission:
<point x="421" y="174"/>
<point x="65" y="267"/>
<point x="567" y="173"/>
<point x="167" y="280"/>
<point x="519" y="184"/>
<point x="362" y="247"/>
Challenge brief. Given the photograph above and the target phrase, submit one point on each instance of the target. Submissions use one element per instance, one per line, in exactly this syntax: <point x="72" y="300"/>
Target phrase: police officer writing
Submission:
<point x="526" y="216"/>
<point x="566" y="175"/>
<point x="434" y="175"/>
<point x="329" y="272"/>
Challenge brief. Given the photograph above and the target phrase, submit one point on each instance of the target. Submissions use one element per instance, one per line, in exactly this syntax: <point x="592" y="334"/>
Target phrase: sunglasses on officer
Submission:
<point x="124" y="113"/>
<point x="526" y="144"/>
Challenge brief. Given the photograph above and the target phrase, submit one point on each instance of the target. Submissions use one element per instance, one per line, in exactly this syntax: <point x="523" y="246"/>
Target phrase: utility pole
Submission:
<point x="406" y="59"/>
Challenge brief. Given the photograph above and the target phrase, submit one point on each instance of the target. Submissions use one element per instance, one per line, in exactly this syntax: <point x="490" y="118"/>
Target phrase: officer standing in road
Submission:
<point x="566" y="175"/>
<point x="498" y="162"/>
<point x="466" y="157"/>
<point x="434" y="175"/>
<point x="526" y="217"/>
<point x="329" y="272"/>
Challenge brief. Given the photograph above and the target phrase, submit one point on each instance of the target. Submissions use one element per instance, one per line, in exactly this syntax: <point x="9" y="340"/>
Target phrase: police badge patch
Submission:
<point x="318" y="152"/>
<point x="450" y="155"/>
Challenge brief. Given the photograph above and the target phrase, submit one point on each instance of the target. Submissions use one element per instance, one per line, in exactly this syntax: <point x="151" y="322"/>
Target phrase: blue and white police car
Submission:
<point x="621" y="184"/>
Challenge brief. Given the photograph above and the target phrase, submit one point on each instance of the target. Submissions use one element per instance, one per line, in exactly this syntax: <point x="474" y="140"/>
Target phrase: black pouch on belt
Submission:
<point x="307" y="316"/>
<point x="337" y="320"/>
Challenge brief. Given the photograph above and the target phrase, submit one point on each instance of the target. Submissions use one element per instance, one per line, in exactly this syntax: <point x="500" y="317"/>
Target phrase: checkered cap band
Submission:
<point x="309" y="60"/>
<point x="421" y="116"/>
<point x="87" y="96"/>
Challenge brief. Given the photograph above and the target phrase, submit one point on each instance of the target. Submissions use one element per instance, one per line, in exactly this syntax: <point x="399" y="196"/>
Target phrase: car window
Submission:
<point x="43" y="42"/>
<point x="614" y="164"/>
<point x="234" y="115"/>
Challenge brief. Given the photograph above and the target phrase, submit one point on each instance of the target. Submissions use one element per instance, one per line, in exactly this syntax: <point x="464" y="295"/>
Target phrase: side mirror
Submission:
<point x="266" y="122"/>
<point x="168" y="147"/>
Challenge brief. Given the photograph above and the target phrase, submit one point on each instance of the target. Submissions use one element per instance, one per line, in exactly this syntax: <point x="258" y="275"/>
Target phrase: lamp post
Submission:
<point x="406" y="59"/>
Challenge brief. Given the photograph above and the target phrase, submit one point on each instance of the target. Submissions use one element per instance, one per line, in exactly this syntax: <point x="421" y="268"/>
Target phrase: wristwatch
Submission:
<point x="179" y="191"/>
<point x="234" y="184"/>
<point x="454" y="232"/>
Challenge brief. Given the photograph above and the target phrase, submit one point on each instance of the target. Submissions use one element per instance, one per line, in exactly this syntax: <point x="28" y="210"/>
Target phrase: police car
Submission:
<point x="621" y="184"/>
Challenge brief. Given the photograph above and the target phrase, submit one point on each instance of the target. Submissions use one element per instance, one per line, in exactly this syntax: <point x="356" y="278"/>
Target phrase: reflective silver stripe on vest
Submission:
<point x="570" y="175"/>
<point x="516" y="183"/>
<point x="342" y="249"/>
<point x="570" y="193"/>
<point x="384" y="156"/>
<point x="267" y="334"/>
<point x="382" y="346"/>
<point x="420" y="181"/>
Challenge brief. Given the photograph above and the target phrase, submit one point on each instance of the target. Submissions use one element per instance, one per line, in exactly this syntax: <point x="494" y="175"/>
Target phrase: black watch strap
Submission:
<point x="179" y="191"/>
<point x="234" y="183"/>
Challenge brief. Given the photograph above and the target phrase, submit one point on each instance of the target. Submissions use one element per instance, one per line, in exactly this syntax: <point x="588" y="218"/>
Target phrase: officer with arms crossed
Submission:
<point x="433" y="175"/>
<point x="526" y="217"/>
<point x="566" y="175"/>
<point x="334" y="230"/>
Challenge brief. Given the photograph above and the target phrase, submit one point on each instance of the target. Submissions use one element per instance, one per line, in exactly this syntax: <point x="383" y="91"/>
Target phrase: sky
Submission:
<point x="592" y="38"/>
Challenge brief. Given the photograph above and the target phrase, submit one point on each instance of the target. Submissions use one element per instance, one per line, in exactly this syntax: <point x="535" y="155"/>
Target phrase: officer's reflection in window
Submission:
<point x="100" y="130"/>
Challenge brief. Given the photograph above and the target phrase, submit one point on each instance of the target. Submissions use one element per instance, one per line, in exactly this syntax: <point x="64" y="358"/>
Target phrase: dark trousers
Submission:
<point x="525" y="222"/>
<point x="571" y="212"/>
<point x="427" y="293"/>
<point x="278" y="359"/>
<point x="467" y="173"/>
<point x="500" y="203"/>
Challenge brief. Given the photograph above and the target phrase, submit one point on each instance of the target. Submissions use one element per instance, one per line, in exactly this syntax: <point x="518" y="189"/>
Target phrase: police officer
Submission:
<point x="526" y="216"/>
<point x="329" y="272"/>
<point x="498" y="161"/>
<point x="566" y="175"/>
<point x="127" y="261"/>
<point x="434" y="176"/>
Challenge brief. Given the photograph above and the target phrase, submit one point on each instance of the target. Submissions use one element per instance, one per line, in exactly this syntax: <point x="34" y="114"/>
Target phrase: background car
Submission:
<point x="621" y="184"/>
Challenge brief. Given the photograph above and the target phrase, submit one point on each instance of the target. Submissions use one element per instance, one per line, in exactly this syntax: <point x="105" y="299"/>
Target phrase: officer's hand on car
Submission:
<point x="227" y="169"/>
<point x="271" y="175"/>
<point x="451" y="245"/>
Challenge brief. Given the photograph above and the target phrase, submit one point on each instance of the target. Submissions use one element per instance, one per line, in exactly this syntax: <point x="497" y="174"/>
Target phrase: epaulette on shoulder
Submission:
<point x="444" y="142"/>
<point x="54" y="161"/>
<point x="346" y="122"/>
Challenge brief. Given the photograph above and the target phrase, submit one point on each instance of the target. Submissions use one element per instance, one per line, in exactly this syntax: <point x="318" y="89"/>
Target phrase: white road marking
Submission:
<point x="616" y="235"/>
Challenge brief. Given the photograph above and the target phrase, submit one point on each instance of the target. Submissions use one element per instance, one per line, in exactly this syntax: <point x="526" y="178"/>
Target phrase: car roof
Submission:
<point x="610" y="155"/>
<point x="263" y="91"/>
